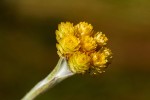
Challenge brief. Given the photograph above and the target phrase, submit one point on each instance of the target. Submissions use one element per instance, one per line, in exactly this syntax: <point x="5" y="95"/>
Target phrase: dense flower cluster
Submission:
<point x="84" y="49"/>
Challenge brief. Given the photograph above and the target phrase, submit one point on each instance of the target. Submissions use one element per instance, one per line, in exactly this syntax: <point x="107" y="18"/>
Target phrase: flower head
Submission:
<point x="100" y="38"/>
<point x="64" y="29"/>
<point x="84" y="50"/>
<point x="100" y="59"/>
<point x="79" y="62"/>
<point x="83" y="29"/>
<point x="68" y="45"/>
<point x="88" y="43"/>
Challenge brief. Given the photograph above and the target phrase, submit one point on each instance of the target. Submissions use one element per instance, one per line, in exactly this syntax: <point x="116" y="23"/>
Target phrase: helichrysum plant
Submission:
<point x="81" y="50"/>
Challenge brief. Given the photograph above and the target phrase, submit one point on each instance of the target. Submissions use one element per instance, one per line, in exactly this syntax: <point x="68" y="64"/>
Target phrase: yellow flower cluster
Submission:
<point x="84" y="49"/>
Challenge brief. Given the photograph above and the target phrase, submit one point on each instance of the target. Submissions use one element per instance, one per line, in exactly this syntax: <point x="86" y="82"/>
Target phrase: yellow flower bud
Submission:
<point x="64" y="29"/>
<point x="88" y="43"/>
<point x="69" y="44"/>
<point x="101" y="57"/>
<point x="79" y="62"/>
<point x="83" y="29"/>
<point x="100" y="38"/>
<point x="100" y="60"/>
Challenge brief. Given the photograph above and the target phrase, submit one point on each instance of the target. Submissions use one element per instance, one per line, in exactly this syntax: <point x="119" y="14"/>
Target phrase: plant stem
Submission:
<point x="60" y="72"/>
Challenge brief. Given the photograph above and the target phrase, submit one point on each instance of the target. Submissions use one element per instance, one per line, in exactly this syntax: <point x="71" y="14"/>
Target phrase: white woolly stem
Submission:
<point x="60" y="72"/>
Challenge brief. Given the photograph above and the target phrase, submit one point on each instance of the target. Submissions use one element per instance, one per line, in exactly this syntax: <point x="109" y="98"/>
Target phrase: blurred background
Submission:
<point x="28" y="52"/>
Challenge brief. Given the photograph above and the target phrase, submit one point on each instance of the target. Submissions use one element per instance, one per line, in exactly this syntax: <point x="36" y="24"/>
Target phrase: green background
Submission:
<point x="28" y="52"/>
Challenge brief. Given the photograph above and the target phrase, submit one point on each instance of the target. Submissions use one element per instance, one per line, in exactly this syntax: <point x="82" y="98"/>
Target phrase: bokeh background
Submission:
<point x="28" y="52"/>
